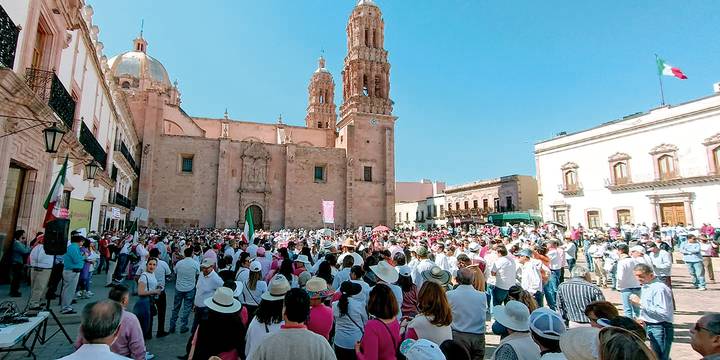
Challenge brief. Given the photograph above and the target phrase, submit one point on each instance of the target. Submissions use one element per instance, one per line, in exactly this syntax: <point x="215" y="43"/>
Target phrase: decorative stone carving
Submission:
<point x="715" y="139"/>
<point x="569" y="165"/>
<point x="663" y="148"/>
<point x="618" y="156"/>
<point x="254" y="168"/>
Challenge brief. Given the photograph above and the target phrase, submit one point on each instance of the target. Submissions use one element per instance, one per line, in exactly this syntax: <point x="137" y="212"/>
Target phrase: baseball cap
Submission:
<point x="404" y="270"/>
<point x="207" y="263"/>
<point x="422" y="349"/>
<point x="255" y="266"/>
<point x="546" y="324"/>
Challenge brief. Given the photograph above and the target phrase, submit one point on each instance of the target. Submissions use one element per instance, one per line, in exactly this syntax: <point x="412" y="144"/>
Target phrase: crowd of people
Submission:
<point x="382" y="294"/>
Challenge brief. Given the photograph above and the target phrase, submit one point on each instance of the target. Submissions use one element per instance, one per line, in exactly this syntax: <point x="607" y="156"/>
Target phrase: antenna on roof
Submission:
<point x="142" y="26"/>
<point x="226" y="114"/>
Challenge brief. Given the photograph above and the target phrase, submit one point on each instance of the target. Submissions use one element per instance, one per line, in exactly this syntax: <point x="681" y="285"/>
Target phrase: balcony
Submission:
<point x="48" y="88"/>
<point x="92" y="146"/>
<point x="571" y="189"/>
<point x="9" y="33"/>
<point x="123" y="149"/>
<point x="664" y="183"/>
<point x="122" y="201"/>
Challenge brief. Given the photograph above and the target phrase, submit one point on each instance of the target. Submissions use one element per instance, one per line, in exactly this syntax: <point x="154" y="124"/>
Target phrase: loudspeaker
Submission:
<point x="56" y="236"/>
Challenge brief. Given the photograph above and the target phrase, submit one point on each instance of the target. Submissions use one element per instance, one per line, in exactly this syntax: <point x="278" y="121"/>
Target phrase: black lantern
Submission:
<point x="53" y="138"/>
<point x="91" y="169"/>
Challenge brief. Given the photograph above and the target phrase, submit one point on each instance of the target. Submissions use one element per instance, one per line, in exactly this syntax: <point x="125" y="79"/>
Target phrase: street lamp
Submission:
<point x="53" y="138"/>
<point x="91" y="169"/>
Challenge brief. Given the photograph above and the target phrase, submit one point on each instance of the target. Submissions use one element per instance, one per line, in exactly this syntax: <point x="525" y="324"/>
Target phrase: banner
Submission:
<point x="328" y="211"/>
<point x="115" y="213"/>
<point x="80" y="214"/>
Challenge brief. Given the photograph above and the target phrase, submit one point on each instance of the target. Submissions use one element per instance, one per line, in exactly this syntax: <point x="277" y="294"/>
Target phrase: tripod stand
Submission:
<point x="43" y="337"/>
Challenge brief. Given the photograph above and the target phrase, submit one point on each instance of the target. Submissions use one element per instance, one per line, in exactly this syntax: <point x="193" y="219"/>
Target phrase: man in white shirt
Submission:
<point x="504" y="271"/>
<point x="423" y="264"/>
<point x="41" y="266"/>
<point x="627" y="284"/>
<point x="468" y="313"/>
<point x="532" y="274"/>
<point x="557" y="262"/>
<point x="206" y="285"/>
<point x="597" y="253"/>
<point x="100" y="326"/>
<point x="162" y="271"/>
<point x="187" y="271"/>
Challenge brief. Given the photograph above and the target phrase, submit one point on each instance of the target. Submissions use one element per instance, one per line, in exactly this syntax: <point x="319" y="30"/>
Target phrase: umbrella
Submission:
<point x="556" y="223"/>
<point x="381" y="228"/>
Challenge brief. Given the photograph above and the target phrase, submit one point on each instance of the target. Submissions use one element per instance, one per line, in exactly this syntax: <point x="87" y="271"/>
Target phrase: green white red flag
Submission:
<point x="52" y="201"/>
<point x="249" y="229"/>
<point x="669" y="70"/>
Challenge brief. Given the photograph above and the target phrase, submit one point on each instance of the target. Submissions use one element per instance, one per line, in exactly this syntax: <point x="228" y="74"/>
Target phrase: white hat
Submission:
<point x="385" y="272"/>
<point x="303" y="259"/>
<point x="546" y="323"/>
<point x="404" y="270"/>
<point x="513" y="315"/>
<point x="580" y="343"/>
<point x="207" y="263"/>
<point x="422" y="349"/>
<point x="474" y="246"/>
<point x="255" y="266"/>
<point x="277" y="288"/>
<point x="223" y="301"/>
<point x="638" y="248"/>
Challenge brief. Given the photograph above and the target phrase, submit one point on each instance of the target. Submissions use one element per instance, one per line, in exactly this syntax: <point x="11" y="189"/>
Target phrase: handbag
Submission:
<point x="153" y="306"/>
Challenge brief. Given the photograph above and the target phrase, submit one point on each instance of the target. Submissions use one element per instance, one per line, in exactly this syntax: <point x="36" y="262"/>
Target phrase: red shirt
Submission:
<point x="103" y="247"/>
<point x="321" y="320"/>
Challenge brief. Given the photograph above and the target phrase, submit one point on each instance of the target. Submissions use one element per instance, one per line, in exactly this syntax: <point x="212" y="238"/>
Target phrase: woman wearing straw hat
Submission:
<point x="321" y="315"/>
<point x="222" y="333"/>
<point x="268" y="316"/>
<point x="388" y="275"/>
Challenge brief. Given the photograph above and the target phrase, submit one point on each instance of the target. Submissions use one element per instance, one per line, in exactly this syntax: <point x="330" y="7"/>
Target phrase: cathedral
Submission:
<point x="209" y="172"/>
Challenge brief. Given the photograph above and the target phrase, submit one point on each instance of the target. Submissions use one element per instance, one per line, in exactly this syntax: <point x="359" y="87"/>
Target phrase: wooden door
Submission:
<point x="673" y="213"/>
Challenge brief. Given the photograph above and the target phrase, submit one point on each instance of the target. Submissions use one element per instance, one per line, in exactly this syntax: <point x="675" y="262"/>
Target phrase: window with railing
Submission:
<point x="49" y="89"/>
<point x="127" y="155"/>
<point x="9" y="33"/>
<point x="92" y="146"/>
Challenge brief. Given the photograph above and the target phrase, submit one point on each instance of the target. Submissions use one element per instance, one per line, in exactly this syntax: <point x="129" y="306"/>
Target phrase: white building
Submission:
<point x="657" y="167"/>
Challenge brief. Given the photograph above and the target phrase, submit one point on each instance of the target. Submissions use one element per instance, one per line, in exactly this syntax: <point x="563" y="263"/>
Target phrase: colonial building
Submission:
<point x="662" y="166"/>
<point x="53" y="70"/>
<point x="209" y="172"/>
<point x="417" y="203"/>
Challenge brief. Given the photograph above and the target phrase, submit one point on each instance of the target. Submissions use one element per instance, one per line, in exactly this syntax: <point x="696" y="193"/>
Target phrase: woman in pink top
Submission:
<point x="381" y="336"/>
<point x="321" y="316"/>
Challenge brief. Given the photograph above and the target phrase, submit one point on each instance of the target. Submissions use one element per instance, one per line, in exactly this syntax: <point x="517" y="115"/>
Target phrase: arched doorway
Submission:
<point x="257" y="216"/>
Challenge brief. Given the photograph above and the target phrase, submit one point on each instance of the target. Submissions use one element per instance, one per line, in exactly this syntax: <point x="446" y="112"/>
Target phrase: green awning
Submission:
<point x="513" y="217"/>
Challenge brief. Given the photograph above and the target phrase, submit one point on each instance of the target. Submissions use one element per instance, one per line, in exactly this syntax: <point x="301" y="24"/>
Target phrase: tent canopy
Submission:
<point x="513" y="218"/>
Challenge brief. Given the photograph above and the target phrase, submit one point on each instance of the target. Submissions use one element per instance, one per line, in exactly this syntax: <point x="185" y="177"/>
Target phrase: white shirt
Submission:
<point x="531" y="276"/>
<point x="256" y="334"/>
<point x="205" y="288"/>
<point x="505" y="272"/>
<point x="468" y="309"/>
<point x="186" y="271"/>
<point x="95" y="352"/>
<point x="416" y="274"/>
<point x="162" y="271"/>
<point x="149" y="280"/>
<point x="266" y="263"/>
<point x="39" y="259"/>
<point x="625" y="276"/>
<point x="557" y="258"/>
<point x="253" y="297"/>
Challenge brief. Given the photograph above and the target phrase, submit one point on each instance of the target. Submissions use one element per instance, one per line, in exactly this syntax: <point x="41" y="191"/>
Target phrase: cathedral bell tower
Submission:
<point x="366" y="128"/>
<point x="321" y="99"/>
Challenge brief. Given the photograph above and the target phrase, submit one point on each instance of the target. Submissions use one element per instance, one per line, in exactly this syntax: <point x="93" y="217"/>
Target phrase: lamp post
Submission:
<point x="53" y="138"/>
<point x="91" y="169"/>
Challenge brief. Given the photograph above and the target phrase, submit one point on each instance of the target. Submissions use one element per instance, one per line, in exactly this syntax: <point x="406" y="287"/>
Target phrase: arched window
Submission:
<point x="365" y="88"/>
<point x="378" y="87"/>
<point x="125" y="85"/>
<point x="716" y="157"/>
<point x="322" y="96"/>
<point x="571" y="180"/>
<point x="620" y="172"/>
<point x="374" y="38"/>
<point x="367" y="37"/>
<point x="666" y="167"/>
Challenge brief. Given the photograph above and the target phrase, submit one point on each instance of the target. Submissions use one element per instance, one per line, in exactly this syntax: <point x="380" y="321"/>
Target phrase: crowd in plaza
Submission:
<point x="378" y="293"/>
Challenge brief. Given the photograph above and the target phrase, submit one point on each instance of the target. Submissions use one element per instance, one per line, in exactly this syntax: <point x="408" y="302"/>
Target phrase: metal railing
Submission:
<point x="49" y="89"/>
<point x="122" y="200"/>
<point x="123" y="149"/>
<point x="92" y="146"/>
<point x="9" y="33"/>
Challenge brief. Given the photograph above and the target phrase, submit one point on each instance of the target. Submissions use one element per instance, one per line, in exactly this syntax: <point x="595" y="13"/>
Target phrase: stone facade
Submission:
<point x="208" y="172"/>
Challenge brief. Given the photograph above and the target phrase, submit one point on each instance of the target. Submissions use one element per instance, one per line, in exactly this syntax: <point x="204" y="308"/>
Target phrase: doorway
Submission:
<point x="257" y="216"/>
<point x="673" y="213"/>
<point x="12" y="199"/>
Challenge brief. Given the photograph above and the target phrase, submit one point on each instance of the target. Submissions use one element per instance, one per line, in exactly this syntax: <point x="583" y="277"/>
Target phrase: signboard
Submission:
<point x="80" y="214"/>
<point x="328" y="211"/>
<point x="115" y="213"/>
<point x="139" y="214"/>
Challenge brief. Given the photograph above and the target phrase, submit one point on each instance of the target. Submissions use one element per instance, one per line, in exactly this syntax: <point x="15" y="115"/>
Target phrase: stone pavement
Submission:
<point x="691" y="304"/>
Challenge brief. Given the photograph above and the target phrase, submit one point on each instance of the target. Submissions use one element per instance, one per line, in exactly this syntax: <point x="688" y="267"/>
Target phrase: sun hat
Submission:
<point x="436" y="274"/>
<point x="525" y="252"/>
<point x="546" y="324"/>
<point x="303" y="259"/>
<point x="255" y="266"/>
<point x="327" y="245"/>
<point x="474" y="247"/>
<point x="421" y="251"/>
<point x="404" y="270"/>
<point x="349" y="242"/>
<point x="223" y="301"/>
<point x="580" y="343"/>
<point x="277" y="288"/>
<point x="421" y="349"/>
<point x="303" y="278"/>
<point x="638" y="248"/>
<point x="385" y="272"/>
<point x="513" y="315"/>
<point x="317" y="288"/>
<point x="207" y="263"/>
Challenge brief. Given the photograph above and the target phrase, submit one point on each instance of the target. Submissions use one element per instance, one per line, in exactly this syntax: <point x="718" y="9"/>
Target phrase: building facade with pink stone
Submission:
<point x="209" y="172"/>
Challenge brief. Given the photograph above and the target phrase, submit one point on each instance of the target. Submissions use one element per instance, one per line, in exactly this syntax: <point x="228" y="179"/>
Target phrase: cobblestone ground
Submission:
<point x="691" y="304"/>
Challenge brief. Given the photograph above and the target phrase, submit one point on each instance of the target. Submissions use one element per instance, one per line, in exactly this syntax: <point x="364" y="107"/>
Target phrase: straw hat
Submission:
<point x="513" y="315"/>
<point x="385" y="272"/>
<point x="303" y="259"/>
<point x="436" y="274"/>
<point x="223" y="301"/>
<point x="277" y="289"/>
<point x="580" y="343"/>
<point x="317" y="288"/>
<point x="349" y="242"/>
<point x="303" y="278"/>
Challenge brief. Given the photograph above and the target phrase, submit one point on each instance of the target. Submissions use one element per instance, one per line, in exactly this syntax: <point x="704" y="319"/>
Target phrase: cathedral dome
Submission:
<point x="367" y="2"/>
<point x="137" y="64"/>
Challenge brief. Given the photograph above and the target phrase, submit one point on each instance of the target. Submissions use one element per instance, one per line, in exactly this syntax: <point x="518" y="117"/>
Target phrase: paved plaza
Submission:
<point x="691" y="304"/>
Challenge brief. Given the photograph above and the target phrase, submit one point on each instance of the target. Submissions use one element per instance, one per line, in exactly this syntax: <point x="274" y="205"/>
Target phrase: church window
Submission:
<point x="187" y="164"/>
<point x="367" y="173"/>
<point x="320" y="124"/>
<point x="367" y="37"/>
<point x="322" y="96"/>
<point x="319" y="176"/>
<point x="378" y="87"/>
<point x="125" y="85"/>
<point x="374" y="38"/>
<point x="365" y="86"/>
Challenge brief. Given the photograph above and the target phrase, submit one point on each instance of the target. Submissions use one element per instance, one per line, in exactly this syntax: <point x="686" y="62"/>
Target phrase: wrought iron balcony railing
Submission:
<point x="126" y="153"/>
<point x="48" y="88"/>
<point x="123" y="200"/>
<point x="92" y="146"/>
<point x="9" y="33"/>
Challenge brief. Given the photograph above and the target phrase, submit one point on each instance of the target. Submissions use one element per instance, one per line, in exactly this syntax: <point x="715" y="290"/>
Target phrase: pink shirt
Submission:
<point x="380" y="341"/>
<point x="130" y="341"/>
<point x="321" y="320"/>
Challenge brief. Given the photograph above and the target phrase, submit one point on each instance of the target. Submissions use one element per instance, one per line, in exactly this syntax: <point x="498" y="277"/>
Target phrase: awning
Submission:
<point x="513" y="217"/>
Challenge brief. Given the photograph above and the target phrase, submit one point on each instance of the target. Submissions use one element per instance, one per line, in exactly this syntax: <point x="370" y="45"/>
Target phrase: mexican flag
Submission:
<point x="668" y="70"/>
<point x="249" y="230"/>
<point x="52" y="202"/>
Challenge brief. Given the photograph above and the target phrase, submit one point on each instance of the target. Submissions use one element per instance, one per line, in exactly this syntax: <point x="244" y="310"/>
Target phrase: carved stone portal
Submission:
<point x="254" y="168"/>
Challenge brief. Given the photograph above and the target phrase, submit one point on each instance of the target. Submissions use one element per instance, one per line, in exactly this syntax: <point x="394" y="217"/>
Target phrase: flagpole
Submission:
<point x="662" y="93"/>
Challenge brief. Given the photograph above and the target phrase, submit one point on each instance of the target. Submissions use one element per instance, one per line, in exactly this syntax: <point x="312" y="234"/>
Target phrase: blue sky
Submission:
<point x="475" y="83"/>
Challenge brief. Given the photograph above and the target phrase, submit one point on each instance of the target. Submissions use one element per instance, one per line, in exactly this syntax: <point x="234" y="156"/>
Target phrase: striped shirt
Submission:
<point x="573" y="296"/>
